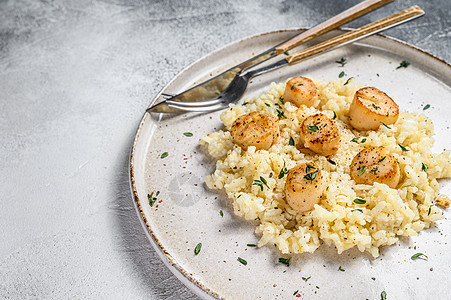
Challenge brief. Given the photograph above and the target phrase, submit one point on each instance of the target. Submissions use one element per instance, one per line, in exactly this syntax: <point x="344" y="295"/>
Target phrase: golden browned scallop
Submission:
<point x="375" y="164"/>
<point x="320" y="134"/>
<point x="255" y="129"/>
<point x="304" y="186"/>
<point x="301" y="90"/>
<point x="370" y="108"/>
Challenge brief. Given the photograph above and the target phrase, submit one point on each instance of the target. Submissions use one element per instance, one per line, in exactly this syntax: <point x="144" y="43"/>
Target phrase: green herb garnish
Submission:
<point x="260" y="183"/>
<point x="341" y="269"/>
<point x="311" y="176"/>
<point x="358" y="209"/>
<point x="342" y="61"/>
<point x="309" y="167"/>
<point x="267" y="104"/>
<point x="417" y="255"/>
<point x="375" y="106"/>
<point x="312" y="128"/>
<point x="305" y="279"/>
<point x="382" y="159"/>
<point x="374" y="170"/>
<point x="197" y="249"/>
<point x="362" y="170"/>
<point x="426" y="106"/>
<point x="280" y="114"/>
<point x="355" y="140"/>
<point x="359" y="201"/>
<point x="403" y="64"/>
<point x="331" y="162"/>
<point x="283" y="171"/>
<point x="164" y="154"/>
<point x="221" y="213"/>
<point x="281" y="100"/>
<point x="285" y="261"/>
<point x="187" y="134"/>
<point x="244" y="262"/>
<point x="286" y="53"/>
<point x="335" y="115"/>
<point x="424" y="167"/>
<point x="403" y="148"/>
<point x="295" y="292"/>
<point x="429" y="210"/>
<point x="292" y="87"/>
<point x="278" y="105"/>
<point x="291" y="142"/>
<point x="347" y="81"/>
<point x="383" y="295"/>
<point x="251" y="245"/>
<point x="341" y="74"/>
<point x="363" y="140"/>
<point x="152" y="199"/>
<point x="385" y="125"/>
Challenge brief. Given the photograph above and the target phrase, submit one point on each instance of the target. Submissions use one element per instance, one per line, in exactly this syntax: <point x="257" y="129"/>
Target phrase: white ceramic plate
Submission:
<point x="189" y="213"/>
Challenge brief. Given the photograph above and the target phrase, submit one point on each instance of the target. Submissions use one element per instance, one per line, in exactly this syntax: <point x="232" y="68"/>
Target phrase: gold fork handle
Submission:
<point x="343" y="18"/>
<point x="348" y="37"/>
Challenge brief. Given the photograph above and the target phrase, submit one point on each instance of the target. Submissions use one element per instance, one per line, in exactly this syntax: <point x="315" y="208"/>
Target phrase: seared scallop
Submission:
<point x="320" y="134"/>
<point x="375" y="164"/>
<point x="371" y="108"/>
<point x="301" y="90"/>
<point x="304" y="186"/>
<point x="255" y="129"/>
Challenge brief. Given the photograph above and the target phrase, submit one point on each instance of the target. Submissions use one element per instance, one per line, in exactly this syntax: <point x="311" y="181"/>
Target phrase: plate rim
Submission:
<point x="184" y="276"/>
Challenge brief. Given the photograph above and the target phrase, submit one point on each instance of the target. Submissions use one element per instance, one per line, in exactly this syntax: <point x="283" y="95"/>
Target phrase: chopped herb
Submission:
<point x="374" y="170"/>
<point x="165" y="154"/>
<point x="292" y="87"/>
<point x="280" y="114"/>
<point x="347" y="81"/>
<point x="309" y="167"/>
<point x="221" y="213"/>
<point x="362" y="170"/>
<point x="317" y="287"/>
<point x="270" y="175"/>
<point x="158" y="193"/>
<point x="300" y="84"/>
<point x="285" y="261"/>
<point x="417" y="255"/>
<point x="305" y="279"/>
<point x="403" y="148"/>
<point x="342" y="61"/>
<point x="382" y="159"/>
<point x="429" y="210"/>
<point x="251" y="245"/>
<point x="264" y="181"/>
<point x="341" y="269"/>
<point x="286" y="53"/>
<point x="291" y="142"/>
<point x="197" y="249"/>
<point x="335" y="115"/>
<point x="383" y="295"/>
<point x="188" y="134"/>
<point x="311" y="176"/>
<point x="377" y="74"/>
<point x="267" y="104"/>
<point x="359" y="201"/>
<point x="313" y="128"/>
<point x="385" y="125"/>
<point x="375" y="106"/>
<point x="357" y="209"/>
<point x="426" y="106"/>
<point x="341" y="74"/>
<point x="281" y="100"/>
<point x="355" y="140"/>
<point x="278" y="105"/>
<point x="295" y="292"/>
<point x="283" y="171"/>
<point x="363" y="140"/>
<point x="424" y="167"/>
<point x="245" y="103"/>
<point x="152" y="200"/>
<point x="403" y="64"/>
<point x="244" y="262"/>
<point x="260" y="183"/>
<point x="331" y="162"/>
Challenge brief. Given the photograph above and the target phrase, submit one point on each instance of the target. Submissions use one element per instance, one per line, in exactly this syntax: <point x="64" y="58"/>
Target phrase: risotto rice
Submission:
<point x="387" y="214"/>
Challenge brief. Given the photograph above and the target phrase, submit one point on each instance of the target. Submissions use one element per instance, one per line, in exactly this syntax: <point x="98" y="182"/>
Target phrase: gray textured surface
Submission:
<point x="75" y="78"/>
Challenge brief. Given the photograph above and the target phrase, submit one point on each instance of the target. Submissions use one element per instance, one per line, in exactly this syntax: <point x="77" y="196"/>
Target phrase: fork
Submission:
<point x="235" y="90"/>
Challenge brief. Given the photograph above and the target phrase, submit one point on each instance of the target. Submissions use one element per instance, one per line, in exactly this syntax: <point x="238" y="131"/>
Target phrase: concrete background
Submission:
<point x="75" y="79"/>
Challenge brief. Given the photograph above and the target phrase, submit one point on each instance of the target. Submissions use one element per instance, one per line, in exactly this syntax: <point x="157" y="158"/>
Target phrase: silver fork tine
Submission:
<point x="197" y="108"/>
<point x="194" y="104"/>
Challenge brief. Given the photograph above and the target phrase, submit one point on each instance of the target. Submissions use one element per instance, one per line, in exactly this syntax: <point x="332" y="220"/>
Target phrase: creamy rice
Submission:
<point x="387" y="214"/>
